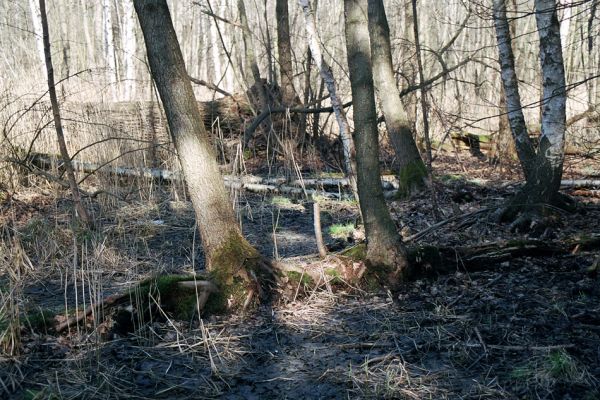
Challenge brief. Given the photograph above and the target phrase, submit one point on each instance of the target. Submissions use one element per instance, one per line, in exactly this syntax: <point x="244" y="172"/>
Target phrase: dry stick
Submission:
<point x="318" y="233"/>
<point x="83" y="214"/>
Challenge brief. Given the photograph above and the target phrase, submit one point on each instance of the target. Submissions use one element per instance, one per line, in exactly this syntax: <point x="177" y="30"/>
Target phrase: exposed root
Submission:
<point x="529" y="212"/>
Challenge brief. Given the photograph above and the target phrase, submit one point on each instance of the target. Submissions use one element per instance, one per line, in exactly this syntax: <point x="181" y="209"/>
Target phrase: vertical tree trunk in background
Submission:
<point x="109" y="48"/>
<point x="257" y="85"/>
<point x="89" y="43"/>
<point x="83" y="214"/>
<point x="593" y="67"/>
<point x="233" y="263"/>
<point x="129" y="47"/>
<point x="284" y="50"/>
<point x="38" y="33"/>
<point x="424" y="105"/>
<point x="384" y="247"/>
<point x="251" y="70"/>
<point x="327" y="76"/>
<point x="411" y="169"/>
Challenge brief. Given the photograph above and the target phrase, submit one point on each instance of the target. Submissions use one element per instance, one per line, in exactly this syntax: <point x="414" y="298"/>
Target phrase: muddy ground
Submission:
<point x="528" y="328"/>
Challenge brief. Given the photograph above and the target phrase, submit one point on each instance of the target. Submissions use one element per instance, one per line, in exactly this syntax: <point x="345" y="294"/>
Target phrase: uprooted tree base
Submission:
<point x="183" y="296"/>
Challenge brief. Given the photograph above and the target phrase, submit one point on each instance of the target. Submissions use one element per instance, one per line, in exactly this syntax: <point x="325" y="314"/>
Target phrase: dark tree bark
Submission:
<point x="234" y="264"/>
<point x="543" y="169"/>
<point x="284" y="50"/>
<point x="384" y="247"/>
<point x="411" y="169"/>
<point x="83" y="214"/>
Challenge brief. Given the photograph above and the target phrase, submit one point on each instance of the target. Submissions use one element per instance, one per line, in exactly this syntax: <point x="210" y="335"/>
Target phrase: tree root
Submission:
<point x="533" y="214"/>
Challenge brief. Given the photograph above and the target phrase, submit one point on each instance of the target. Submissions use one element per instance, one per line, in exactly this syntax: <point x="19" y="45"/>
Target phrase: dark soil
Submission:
<point x="528" y="328"/>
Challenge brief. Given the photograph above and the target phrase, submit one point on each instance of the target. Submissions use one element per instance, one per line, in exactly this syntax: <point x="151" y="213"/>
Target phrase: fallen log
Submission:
<point x="194" y="293"/>
<point x="309" y="187"/>
<point x="427" y="260"/>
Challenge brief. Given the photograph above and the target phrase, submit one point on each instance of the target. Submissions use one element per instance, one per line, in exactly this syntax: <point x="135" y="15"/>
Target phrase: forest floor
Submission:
<point x="527" y="328"/>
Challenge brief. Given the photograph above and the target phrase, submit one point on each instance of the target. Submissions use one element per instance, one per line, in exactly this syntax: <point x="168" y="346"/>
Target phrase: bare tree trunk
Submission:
<point x="551" y="152"/>
<point x="384" y="247"/>
<point x="327" y="76"/>
<point x="234" y="264"/>
<point x="424" y="105"/>
<point x="109" y="48"/>
<point x="510" y="83"/>
<point x="284" y="49"/>
<point x="257" y="85"/>
<point x="129" y="47"/>
<point x="411" y="169"/>
<point x="543" y="170"/>
<point x="37" y="31"/>
<point x="83" y="214"/>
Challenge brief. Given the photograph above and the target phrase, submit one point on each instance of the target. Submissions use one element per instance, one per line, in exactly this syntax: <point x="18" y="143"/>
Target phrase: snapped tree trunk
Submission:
<point x="543" y="169"/>
<point x="411" y="168"/>
<point x="384" y="247"/>
<point x="83" y="214"/>
<point x="233" y="263"/>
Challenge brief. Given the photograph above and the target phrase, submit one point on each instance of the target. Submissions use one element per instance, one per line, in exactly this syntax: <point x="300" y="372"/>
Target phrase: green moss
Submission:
<point x="296" y="278"/>
<point x="341" y="231"/>
<point x="411" y="177"/>
<point x="231" y="267"/>
<point x="179" y="302"/>
<point x="281" y="201"/>
<point x="357" y="253"/>
<point x="334" y="275"/>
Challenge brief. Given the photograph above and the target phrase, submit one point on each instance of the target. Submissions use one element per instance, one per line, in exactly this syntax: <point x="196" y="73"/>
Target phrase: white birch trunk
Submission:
<point x="129" y="48"/>
<point x="109" y="48"/>
<point x="553" y="78"/>
<point x="510" y="82"/>
<point x="36" y="18"/>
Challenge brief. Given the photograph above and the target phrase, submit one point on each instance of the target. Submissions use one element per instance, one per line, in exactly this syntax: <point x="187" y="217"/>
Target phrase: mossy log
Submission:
<point x="181" y="296"/>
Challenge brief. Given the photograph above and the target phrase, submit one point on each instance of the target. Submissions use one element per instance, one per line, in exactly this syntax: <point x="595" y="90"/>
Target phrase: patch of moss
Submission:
<point x="181" y="303"/>
<point x="232" y="268"/>
<point x="296" y="278"/>
<point x="411" y="177"/>
<point x="281" y="201"/>
<point x="341" y="231"/>
<point x="357" y="253"/>
<point x="335" y="276"/>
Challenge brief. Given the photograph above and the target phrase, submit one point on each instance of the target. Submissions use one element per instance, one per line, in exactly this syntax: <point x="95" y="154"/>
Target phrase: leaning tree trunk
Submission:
<point x="83" y="214"/>
<point x="411" y="169"/>
<point x="510" y="83"/>
<point x="384" y="247"/>
<point x="336" y="103"/>
<point x="543" y="169"/>
<point x="234" y="264"/>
